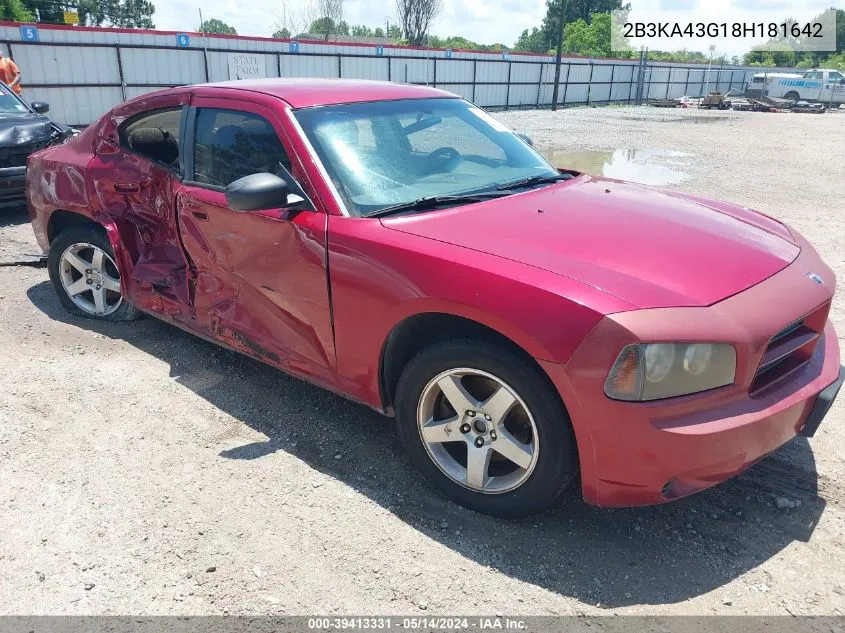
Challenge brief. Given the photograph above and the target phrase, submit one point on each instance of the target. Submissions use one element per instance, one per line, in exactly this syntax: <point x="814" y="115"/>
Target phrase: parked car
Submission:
<point x="403" y="248"/>
<point x="23" y="130"/>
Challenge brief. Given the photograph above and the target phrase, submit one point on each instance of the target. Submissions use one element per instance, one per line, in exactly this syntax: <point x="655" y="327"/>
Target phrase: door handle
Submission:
<point x="127" y="187"/>
<point x="202" y="216"/>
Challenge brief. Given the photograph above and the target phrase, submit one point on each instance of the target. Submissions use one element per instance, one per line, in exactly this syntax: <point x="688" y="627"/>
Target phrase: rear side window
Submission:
<point x="230" y="144"/>
<point x="154" y="135"/>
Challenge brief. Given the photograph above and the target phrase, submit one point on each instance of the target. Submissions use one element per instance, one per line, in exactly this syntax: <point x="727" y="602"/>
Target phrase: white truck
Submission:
<point x="817" y="85"/>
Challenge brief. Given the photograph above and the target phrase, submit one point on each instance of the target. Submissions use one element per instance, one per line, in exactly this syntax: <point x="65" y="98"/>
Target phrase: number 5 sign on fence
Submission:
<point x="246" y="66"/>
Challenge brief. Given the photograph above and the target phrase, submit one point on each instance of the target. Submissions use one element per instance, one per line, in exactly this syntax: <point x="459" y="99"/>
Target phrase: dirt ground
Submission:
<point x="144" y="471"/>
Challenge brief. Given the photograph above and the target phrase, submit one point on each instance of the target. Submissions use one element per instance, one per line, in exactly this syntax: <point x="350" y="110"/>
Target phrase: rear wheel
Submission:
<point x="792" y="96"/>
<point x="85" y="276"/>
<point x="485" y="428"/>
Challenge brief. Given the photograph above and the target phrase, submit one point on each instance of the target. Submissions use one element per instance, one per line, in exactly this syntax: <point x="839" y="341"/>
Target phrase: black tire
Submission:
<point x="84" y="234"/>
<point x="792" y="96"/>
<point x="557" y="459"/>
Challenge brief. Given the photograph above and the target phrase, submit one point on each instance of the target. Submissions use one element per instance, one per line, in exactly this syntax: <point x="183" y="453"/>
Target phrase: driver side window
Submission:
<point x="231" y="144"/>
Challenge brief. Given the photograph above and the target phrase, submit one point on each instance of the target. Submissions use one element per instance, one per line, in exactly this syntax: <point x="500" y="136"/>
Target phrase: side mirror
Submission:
<point x="40" y="107"/>
<point x="257" y="192"/>
<point x="528" y="140"/>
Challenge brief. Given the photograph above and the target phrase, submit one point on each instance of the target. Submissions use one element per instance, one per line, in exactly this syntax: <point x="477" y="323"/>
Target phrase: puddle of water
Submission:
<point x="624" y="164"/>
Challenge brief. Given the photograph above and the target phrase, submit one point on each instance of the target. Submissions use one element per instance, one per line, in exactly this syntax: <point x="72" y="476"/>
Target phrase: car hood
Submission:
<point x="647" y="246"/>
<point x="23" y="129"/>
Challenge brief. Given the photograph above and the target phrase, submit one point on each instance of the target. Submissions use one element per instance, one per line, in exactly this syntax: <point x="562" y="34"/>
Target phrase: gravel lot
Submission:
<point x="144" y="471"/>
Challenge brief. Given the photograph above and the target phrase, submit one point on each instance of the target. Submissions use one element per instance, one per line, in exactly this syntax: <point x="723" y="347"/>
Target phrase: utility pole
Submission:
<point x="709" y="67"/>
<point x="561" y="24"/>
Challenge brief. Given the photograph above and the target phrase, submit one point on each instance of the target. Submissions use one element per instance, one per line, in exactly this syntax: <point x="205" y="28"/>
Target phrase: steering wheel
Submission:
<point x="443" y="159"/>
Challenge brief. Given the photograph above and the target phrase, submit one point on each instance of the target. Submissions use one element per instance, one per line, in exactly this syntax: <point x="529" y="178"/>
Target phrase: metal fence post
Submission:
<point x="120" y="73"/>
<point x="339" y="66"/>
<point x="612" y="73"/>
<point x="540" y="83"/>
<point x="508" y="89"/>
<point x="434" y="81"/>
<point x="205" y="59"/>
<point x="389" y="68"/>
<point x="590" y="83"/>
<point x="668" y="81"/>
<point x="566" y="85"/>
<point x="686" y="84"/>
<point x="474" y="75"/>
<point x="641" y="68"/>
<point x="279" y="64"/>
<point x="701" y="89"/>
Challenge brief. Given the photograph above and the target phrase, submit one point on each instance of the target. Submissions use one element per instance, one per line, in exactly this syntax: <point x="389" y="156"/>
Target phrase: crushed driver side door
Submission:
<point x="259" y="278"/>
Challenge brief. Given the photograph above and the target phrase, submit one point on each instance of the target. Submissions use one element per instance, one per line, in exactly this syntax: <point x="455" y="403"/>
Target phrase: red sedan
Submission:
<point x="399" y="246"/>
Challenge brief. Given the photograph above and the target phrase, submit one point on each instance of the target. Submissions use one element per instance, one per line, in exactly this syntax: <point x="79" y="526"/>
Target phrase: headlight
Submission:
<point x="666" y="370"/>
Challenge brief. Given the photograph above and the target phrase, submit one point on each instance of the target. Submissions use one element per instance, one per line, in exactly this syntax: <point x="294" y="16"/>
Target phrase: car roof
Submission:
<point x="309" y="92"/>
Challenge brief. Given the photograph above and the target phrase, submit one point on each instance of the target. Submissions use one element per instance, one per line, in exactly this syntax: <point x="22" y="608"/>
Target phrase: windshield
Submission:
<point x="9" y="103"/>
<point x="387" y="153"/>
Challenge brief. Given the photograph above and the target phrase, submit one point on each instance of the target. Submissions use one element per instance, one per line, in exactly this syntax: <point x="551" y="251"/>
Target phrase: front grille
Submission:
<point x="16" y="155"/>
<point x="15" y="159"/>
<point x="789" y="351"/>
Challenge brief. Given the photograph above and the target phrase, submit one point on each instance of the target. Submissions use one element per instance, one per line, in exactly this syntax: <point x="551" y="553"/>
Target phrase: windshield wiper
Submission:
<point x="433" y="202"/>
<point x="533" y="180"/>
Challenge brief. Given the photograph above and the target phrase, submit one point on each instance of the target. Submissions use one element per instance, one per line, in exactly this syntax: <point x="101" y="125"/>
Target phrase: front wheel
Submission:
<point x="485" y="428"/>
<point x="85" y="276"/>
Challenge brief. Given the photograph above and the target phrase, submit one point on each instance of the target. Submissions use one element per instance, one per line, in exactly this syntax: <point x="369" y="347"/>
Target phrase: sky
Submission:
<point x="487" y="21"/>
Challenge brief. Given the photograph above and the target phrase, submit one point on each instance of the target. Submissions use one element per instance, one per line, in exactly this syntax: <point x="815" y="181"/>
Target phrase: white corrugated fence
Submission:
<point x="82" y="72"/>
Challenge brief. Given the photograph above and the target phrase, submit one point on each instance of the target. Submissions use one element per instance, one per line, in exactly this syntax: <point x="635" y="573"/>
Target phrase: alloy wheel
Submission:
<point x="477" y="430"/>
<point x="90" y="278"/>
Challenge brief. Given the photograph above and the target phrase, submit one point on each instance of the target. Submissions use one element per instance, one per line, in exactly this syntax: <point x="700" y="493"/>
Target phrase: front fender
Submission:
<point x="381" y="277"/>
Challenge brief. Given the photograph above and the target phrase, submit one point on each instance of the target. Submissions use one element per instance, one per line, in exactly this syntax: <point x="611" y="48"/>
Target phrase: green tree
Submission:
<point x="15" y="11"/>
<point x="119" y="13"/>
<point x="361" y="30"/>
<point x="532" y="42"/>
<point x="786" y="55"/>
<point x="379" y="32"/>
<point x="394" y="32"/>
<point x="578" y="38"/>
<point x="593" y="39"/>
<point x="216" y="26"/>
<point x="327" y="26"/>
<point x="575" y="9"/>
<point x="281" y="34"/>
<point x="45" y="10"/>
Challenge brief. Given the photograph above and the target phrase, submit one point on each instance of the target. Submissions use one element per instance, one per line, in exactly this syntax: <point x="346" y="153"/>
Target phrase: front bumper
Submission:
<point x="12" y="186"/>
<point x="647" y="453"/>
<point x="821" y="406"/>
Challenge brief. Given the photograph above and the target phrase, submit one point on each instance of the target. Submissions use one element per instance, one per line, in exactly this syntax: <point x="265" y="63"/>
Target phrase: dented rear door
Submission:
<point x="259" y="278"/>
<point x="135" y="193"/>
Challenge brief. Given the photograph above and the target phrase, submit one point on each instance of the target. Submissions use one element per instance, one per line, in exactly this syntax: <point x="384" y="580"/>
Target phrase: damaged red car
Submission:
<point x="401" y="247"/>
